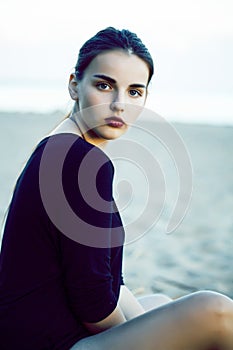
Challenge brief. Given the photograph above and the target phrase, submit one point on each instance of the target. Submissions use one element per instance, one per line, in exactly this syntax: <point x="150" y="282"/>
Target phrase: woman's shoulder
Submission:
<point x="66" y="141"/>
<point x="71" y="146"/>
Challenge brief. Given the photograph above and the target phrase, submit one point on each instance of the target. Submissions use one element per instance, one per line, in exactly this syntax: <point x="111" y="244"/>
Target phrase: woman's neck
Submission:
<point x="87" y="134"/>
<point x="74" y="125"/>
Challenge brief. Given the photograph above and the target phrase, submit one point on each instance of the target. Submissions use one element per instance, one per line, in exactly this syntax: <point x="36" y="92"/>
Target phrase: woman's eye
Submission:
<point x="103" y="86"/>
<point x="135" y="93"/>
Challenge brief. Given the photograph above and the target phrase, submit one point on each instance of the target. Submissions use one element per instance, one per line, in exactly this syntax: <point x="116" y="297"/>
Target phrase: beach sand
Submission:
<point x="199" y="253"/>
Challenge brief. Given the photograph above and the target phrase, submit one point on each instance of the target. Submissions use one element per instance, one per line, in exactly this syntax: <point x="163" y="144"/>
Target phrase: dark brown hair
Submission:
<point x="110" y="39"/>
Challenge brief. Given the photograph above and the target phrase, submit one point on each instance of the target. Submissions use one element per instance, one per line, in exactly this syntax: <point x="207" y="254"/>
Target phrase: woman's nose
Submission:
<point x="118" y="103"/>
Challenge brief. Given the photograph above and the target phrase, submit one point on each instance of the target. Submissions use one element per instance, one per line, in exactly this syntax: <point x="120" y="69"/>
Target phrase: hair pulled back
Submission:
<point x="110" y="39"/>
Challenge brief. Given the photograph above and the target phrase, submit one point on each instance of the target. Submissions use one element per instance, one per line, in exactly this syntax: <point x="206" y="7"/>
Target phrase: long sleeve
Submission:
<point x="50" y="281"/>
<point x="92" y="272"/>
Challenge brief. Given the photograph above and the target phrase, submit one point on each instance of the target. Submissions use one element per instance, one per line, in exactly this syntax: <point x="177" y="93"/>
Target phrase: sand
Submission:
<point x="199" y="253"/>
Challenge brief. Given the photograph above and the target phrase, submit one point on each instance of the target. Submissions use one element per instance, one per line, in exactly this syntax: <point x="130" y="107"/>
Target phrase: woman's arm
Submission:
<point x="128" y="307"/>
<point x="115" y="318"/>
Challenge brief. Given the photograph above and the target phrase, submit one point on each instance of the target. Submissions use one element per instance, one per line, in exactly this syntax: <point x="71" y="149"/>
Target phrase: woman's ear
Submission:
<point x="73" y="87"/>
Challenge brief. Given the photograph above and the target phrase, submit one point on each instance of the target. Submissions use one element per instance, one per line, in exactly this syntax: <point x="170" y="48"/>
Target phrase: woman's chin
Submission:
<point x="111" y="133"/>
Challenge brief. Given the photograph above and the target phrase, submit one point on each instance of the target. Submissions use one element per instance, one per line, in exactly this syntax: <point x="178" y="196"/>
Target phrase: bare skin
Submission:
<point x="199" y="321"/>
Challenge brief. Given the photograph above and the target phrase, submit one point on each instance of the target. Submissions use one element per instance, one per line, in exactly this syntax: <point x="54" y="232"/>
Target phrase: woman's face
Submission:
<point x="111" y="94"/>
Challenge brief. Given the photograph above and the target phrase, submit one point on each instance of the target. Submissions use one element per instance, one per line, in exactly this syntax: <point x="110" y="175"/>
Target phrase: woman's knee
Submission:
<point x="214" y="302"/>
<point x="215" y="311"/>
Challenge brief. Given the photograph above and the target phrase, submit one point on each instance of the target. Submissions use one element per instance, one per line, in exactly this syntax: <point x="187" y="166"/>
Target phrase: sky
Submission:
<point x="191" y="43"/>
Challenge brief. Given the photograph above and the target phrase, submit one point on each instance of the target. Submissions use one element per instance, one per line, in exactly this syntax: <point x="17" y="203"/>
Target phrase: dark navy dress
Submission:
<point x="61" y="256"/>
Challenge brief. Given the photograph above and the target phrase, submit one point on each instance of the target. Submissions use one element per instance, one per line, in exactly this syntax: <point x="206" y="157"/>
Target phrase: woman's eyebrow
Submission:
<point x="105" y="77"/>
<point x="113" y="81"/>
<point x="138" y="86"/>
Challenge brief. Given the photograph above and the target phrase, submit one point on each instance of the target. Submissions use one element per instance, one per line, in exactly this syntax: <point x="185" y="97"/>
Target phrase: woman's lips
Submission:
<point x="115" y="122"/>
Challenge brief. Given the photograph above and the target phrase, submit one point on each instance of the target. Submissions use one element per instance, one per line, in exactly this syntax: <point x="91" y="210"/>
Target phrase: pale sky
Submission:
<point x="191" y="43"/>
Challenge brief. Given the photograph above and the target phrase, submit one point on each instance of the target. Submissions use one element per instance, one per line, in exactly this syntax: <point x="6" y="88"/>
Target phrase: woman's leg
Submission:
<point x="152" y="301"/>
<point x="199" y="321"/>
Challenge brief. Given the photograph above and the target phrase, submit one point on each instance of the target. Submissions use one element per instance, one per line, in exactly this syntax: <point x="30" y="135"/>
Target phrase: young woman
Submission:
<point x="61" y="284"/>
